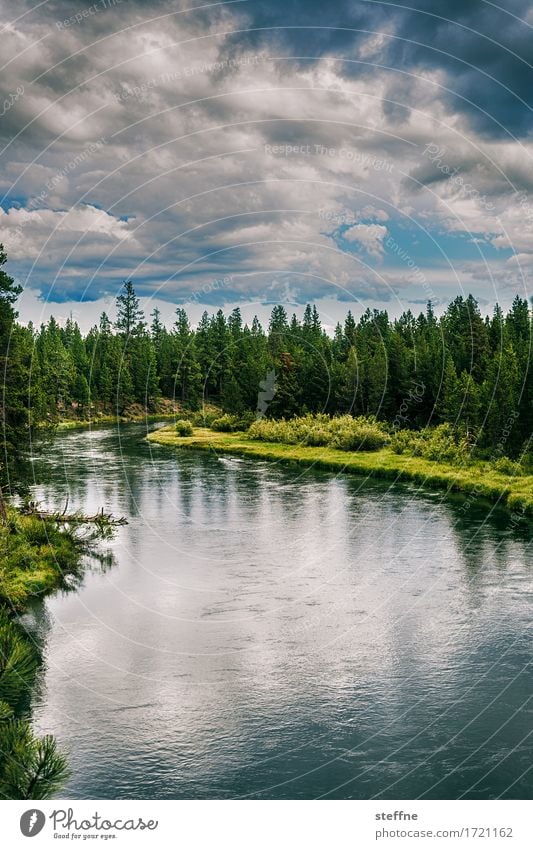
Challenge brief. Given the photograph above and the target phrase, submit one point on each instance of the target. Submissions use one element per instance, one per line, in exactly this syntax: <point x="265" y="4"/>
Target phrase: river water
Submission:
<point x="261" y="631"/>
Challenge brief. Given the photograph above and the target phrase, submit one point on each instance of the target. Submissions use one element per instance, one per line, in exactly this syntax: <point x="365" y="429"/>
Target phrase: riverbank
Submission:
<point x="36" y="559"/>
<point x="101" y="421"/>
<point x="476" y="480"/>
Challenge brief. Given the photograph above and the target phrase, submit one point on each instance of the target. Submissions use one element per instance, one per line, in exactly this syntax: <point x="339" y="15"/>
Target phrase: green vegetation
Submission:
<point x="130" y="416"/>
<point x="446" y="402"/>
<point x="343" y="432"/>
<point x="183" y="427"/>
<point x="462" y="369"/>
<point x="30" y="767"/>
<point x="442" y="444"/>
<point x="228" y="423"/>
<point x="36" y="558"/>
<point x="477" y="479"/>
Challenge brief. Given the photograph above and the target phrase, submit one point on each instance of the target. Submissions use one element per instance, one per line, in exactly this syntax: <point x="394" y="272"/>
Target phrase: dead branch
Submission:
<point x="102" y="519"/>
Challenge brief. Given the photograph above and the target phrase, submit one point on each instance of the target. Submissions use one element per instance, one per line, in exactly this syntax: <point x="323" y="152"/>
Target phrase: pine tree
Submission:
<point x="30" y="767"/>
<point x="130" y="317"/>
<point x="157" y="328"/>
<point x="500" y="395"/>
<point x="186" y="370"/>
<point x="286" y="402"/>
<point x="20" y="403"/>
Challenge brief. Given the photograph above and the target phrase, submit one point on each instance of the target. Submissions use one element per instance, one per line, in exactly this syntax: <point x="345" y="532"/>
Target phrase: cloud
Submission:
<point x="369" y="236"/>
<point x="142" y="146"/>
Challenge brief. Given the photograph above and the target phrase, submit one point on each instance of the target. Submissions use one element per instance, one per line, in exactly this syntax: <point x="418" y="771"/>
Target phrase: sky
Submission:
<point x="354" y="154"/>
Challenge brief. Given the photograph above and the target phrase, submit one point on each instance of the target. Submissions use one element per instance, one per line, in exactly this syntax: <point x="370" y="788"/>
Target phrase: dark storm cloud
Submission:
<point x="304" y="28"/>
<point x="485" y="53"/>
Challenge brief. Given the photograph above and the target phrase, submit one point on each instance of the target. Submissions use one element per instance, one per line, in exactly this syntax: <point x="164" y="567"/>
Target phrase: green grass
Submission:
<point x="35" y="557"/>
<point x="476" y="480"/>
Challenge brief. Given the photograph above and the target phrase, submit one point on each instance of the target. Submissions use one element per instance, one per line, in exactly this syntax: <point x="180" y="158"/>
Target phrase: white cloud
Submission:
<point x="368" y="236"/>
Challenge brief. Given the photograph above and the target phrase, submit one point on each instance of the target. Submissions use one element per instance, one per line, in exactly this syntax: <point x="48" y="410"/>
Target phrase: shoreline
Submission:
<point x="476" y="481"/>
<point x="81" y="424"/>
<point x="38" y="560"/>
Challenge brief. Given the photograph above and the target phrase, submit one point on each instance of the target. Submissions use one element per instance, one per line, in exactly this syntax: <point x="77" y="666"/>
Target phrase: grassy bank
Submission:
<point x="36" y="558"/>
<point x="476" y="480"/>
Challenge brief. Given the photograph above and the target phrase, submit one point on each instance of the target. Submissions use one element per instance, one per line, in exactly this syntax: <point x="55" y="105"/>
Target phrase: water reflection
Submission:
<point x="274" y="632"/>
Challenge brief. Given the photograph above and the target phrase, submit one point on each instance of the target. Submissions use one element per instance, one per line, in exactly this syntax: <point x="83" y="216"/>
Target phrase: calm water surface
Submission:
<point x="266" y="632"/>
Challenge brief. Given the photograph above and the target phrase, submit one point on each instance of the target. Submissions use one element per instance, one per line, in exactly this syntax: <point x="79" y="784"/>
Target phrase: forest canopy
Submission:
<point x="462" y="368"/>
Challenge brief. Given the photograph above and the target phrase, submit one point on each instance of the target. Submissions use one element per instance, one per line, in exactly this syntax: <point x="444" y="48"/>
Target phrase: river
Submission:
<point x="259" y="631"/>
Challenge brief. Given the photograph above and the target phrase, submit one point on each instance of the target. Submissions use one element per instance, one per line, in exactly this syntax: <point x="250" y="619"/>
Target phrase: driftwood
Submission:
<point x="101" y="519"/>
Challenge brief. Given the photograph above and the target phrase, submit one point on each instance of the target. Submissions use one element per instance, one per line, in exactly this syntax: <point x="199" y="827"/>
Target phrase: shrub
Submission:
<point x="402" y="442"/>
<point x="225" y="423"/>
<point x="244" y="420"/>
<point x="343" y="432"/>
<point x="361" y="437"/>
<point x="526" y="462"/>
<point x="228" y="423"/>
<point x="183" y="427"/>
<point x="441" y="444"/>
<point x="317" y="436"/>
<point x="507" y="467"/>
<point x="205" y="416"/>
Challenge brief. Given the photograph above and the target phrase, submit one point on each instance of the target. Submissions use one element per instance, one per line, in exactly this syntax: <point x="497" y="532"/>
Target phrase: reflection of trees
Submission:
<point x="487" y="537"/>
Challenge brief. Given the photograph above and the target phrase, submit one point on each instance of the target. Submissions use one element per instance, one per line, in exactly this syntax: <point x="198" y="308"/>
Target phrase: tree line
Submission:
<point x="462" y="368"/>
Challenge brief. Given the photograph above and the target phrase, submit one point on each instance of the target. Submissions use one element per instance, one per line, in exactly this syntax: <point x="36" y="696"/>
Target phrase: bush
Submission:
<point x="402" y="442"/>
<point x="507" y="467"/>
<point x="317" y="436"/>
<point x="441" y="444"/>
<point x="228" y="423"/>
<point x="183" y="427"/>
<point x="526" y="462"/>
<point x="224" y="424"/>
<point x="360" y="438"/>
<point x="205" y="416"/>
<point x="244" y="420"/>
